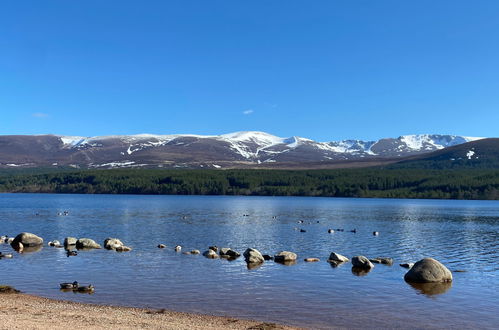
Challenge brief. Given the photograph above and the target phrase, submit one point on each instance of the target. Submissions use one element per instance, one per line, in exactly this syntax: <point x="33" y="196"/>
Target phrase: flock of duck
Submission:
<point x="75" y="286"/>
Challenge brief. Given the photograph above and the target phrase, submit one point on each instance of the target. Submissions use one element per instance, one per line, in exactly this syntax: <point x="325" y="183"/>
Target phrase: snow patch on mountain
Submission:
<point x="433" y="142"/>
<point x="255" y="146"/>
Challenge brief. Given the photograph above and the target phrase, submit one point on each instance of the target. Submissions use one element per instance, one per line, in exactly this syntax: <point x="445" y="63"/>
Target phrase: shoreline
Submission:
<point x="25" y="311"/>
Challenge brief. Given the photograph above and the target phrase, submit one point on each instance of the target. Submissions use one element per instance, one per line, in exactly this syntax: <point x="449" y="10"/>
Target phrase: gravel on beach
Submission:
<point x="22" y="311"/>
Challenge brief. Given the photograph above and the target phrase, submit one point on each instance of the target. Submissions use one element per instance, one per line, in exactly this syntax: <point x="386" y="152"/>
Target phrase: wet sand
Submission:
<point x="22" y="311"/>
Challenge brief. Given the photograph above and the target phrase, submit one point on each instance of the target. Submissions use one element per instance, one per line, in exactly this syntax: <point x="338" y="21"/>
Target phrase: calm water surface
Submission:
<point x="461" y="234"/>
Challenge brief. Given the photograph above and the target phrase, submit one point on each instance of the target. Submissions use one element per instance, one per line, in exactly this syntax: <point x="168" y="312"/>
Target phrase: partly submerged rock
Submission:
<point x="229" y="253"/>
<point x="285" y="256"/>
<point x="123" y="248"/>
<point x="87" y="243"/>
<point x="361" y="262"/>
<point x="253" y="256"/>
<point x="210" y="254"/>
<point x="428" y="270"/>
<point x="382" y="260"/>
<point x="112" y="243"/>
<point x="68" y="241"/>
<point x="407" y="265"/>
<point x="27" y="240"/>
<point x="337" y="257"/>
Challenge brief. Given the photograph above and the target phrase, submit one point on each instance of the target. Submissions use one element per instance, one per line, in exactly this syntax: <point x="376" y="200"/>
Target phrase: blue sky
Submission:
<point x="325" y="70"/>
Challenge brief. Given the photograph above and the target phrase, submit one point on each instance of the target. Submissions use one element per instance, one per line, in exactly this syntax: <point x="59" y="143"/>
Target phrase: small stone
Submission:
<point x="68" y="241"/>
<point x="210" y="254"/>
<point x="337" y="257"/>
<point x="361" y="262"/>
<point x="382" y="260"/>
<point x="311" y="259"/>
<point x="330" y="231"/>
<point x="161" y="246"/>
<point x="123" y="248"/>
<point x="407" y="265"/>
<point x="229" y="253"/>
<point x="285" y="256"/>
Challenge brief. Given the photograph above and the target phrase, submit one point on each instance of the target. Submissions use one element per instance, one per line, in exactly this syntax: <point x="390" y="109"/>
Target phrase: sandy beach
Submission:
<point x="22" y="311"/>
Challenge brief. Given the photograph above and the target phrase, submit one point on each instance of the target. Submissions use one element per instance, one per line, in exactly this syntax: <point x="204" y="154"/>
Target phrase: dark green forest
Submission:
<point x="372" y="182"/>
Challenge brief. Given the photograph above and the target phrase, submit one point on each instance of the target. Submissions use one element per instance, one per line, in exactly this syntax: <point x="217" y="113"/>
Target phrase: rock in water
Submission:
<point x="210" y="254"/>
<point x="27" y="240"/>
<point x="337" y="257"/>
<point x="86" y="243"/>
<point x="253" y="256"/>
<point x="123" y="248"/>
<point x="382" y="260"/>
<point x="229" y="252"/>
<point x="428" y="270"/>
<point x="68" y="241"/>
<point x="112" y="243"/>
<point x="361" y="262"/>
<point x="285" y="256"/>
<point x="311" y="259"/>
<point x="407" y="265"/>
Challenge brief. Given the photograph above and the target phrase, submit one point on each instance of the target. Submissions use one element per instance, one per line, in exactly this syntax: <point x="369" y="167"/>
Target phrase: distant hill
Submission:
<point x="235" y="150"/>
<point x="476" y="154"/>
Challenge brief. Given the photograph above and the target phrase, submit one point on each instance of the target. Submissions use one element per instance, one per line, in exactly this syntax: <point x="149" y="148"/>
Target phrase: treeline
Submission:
<point x="373" y="182"/>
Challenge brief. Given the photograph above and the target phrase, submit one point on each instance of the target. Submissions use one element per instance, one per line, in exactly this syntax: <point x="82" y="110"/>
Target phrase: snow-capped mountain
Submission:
<point x="239" y="149"/>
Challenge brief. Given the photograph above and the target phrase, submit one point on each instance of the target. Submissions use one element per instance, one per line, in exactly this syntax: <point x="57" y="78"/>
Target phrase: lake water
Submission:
<point x="463" y="235"/>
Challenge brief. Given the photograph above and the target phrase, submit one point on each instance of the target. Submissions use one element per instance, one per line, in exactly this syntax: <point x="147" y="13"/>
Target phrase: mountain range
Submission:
<point x="235" y="150"/>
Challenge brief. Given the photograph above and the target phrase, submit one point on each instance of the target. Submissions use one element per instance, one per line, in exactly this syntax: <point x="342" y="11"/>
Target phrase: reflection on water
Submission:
<point x="431" y="289"/>
<point x="359" y="271"/>
<point x="460" y="234"/>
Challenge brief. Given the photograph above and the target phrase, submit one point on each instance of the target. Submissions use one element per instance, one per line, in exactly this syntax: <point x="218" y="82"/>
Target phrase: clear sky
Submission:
<point x="326" y="70"/>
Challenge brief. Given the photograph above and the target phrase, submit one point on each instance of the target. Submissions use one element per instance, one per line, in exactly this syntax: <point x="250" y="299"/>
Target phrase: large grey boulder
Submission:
<point x="285" y="256"/>
<point x="86" y="243"/>
<point x="68" y="241"/>
<point x="337" y="257"/>
<point x="112" y="243"/>
<point x="361" y="262"/>
<point x="428" y="270"/>
<point x="27" y="240"/>
<point x="253" y="256"/>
